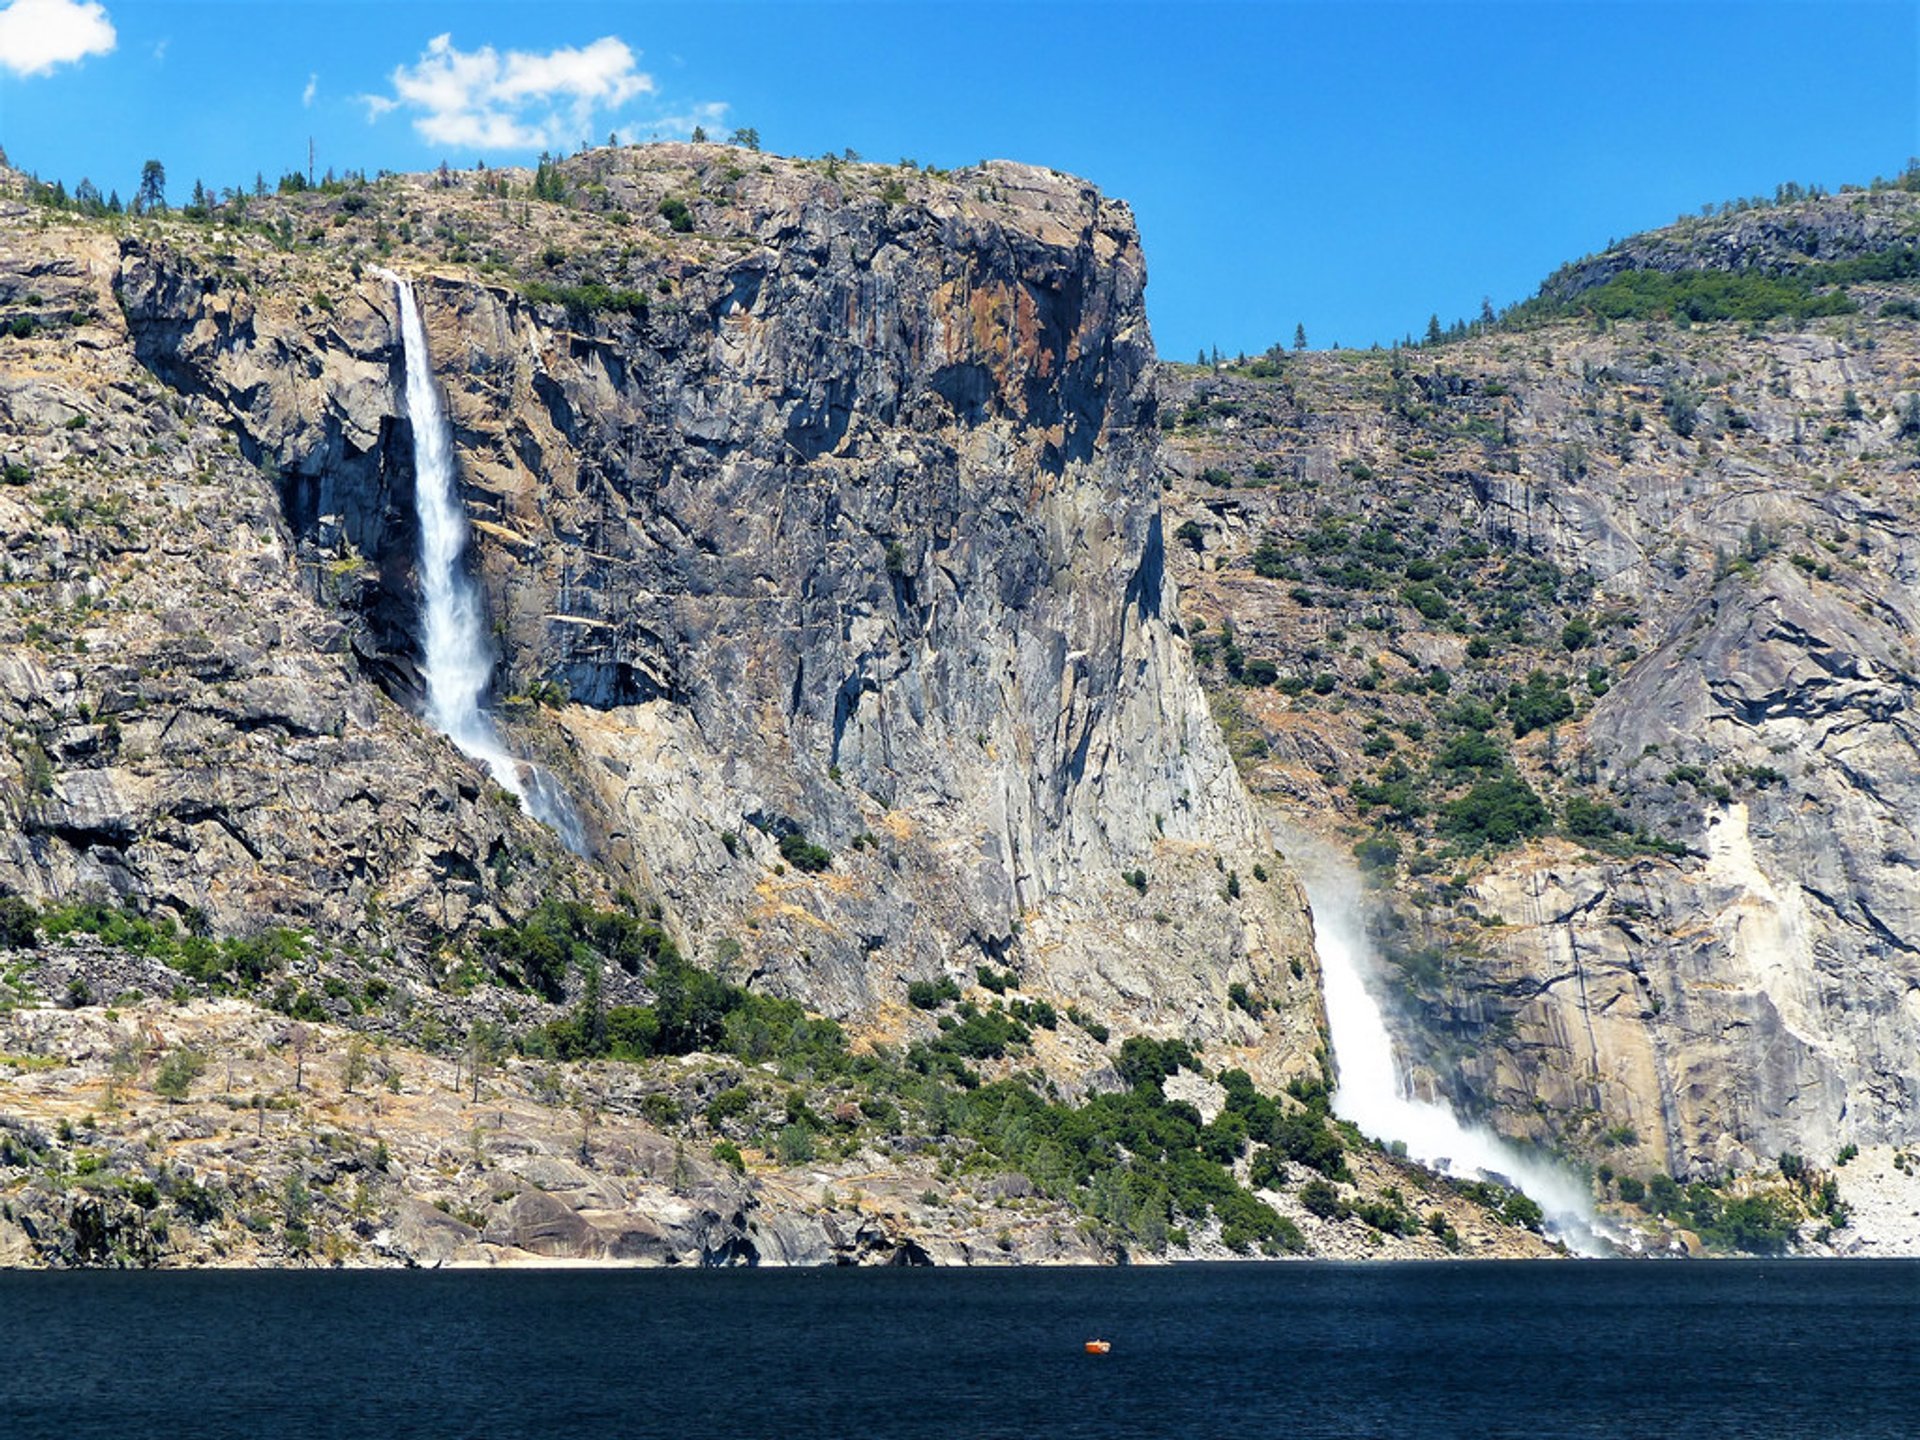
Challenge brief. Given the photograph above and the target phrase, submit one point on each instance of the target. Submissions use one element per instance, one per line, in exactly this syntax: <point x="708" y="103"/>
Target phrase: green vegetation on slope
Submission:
<point x="1695" y="295"/>
<point x="1145" y="1171"/>
<point x="1468" y="792"/>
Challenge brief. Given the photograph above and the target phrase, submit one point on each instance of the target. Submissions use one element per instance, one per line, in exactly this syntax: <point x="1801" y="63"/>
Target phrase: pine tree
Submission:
<point x="1434" y="332"/>
<point x="152" y="195"/>
<point x="1300" y="336"/>
<point x="592" y="1019"/>
<point x="548" y="184"/>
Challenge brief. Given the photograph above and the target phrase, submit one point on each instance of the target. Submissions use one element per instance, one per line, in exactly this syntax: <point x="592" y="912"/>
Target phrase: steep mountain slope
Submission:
<point x="829" y="518"/>
<point x="1595" y="633"/>
<point x="819" y="513"/>
<point x="815" y="508"/>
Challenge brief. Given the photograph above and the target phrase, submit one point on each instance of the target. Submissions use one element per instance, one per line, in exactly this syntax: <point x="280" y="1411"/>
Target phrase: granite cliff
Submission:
<point x="831" y="512"/>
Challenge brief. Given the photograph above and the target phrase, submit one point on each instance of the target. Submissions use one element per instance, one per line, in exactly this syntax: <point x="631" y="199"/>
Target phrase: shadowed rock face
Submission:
<point x="339" y="454"/>
<point x="843" y="519"/>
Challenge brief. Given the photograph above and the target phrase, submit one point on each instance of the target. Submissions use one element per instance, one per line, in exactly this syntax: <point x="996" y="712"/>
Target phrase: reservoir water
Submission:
<point x="1533" y="1351"/>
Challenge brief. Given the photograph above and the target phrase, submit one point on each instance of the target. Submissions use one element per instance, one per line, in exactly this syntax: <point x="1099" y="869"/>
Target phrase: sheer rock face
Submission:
<point x="1763" y="993"/>
<point x="1751" y="591"/>
<point x="843" y="520"/>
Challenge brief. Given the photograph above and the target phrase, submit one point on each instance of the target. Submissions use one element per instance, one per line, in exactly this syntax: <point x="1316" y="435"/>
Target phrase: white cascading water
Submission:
<point x="458" y="660"/>
<point x="1371" y="1088"/>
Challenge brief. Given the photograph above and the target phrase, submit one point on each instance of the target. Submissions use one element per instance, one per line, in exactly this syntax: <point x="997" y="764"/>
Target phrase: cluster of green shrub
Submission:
<point x="589" y="297"/>
<point x="1145" y="1169"/>
<point x="803" y="854"/>
<point x="1386" y="1213"/>
<point x="564" y="947"/>
<point x="1471" y="791"/>
<point x="1896" y="262"/>
<point x="1304" y="1135"/>
<point x="692" y="1009"/>
<point x="1515" y="1207"/>
<point x="1759" y="1224"/>
<point x="932" y="994"/>
<point x="1700" y="295"/>
<point x="678" y="216"/>
<point x="561" y="937"/>
<point x="235" y="964"/>
<point x="1466" y="587"/>
<point x="1088" y="1023"/>
<point x="969" y="1033"/>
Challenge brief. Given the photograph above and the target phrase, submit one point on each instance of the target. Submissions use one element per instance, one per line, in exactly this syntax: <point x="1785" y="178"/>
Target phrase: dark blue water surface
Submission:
<point x="1639" y="1350"/>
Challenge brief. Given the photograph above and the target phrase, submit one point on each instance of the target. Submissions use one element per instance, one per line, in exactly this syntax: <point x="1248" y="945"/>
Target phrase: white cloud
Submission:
<point x="37" y="35"/>
<point x="313" y="88"/>
<point x="710" y="117"/>
<point x="481" y="99"/>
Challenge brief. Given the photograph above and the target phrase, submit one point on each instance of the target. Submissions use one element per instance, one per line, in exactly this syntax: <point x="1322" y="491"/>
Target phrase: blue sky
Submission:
<point x="1352" y="166"/>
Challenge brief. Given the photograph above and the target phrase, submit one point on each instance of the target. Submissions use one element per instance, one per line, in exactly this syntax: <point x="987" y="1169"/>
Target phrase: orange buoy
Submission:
<point x="1099" y="1347"/>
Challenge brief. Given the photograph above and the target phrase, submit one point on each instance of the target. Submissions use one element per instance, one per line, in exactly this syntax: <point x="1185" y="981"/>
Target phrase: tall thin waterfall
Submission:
<point x="1371" y="1087"/>
<point x="458" y="661"/>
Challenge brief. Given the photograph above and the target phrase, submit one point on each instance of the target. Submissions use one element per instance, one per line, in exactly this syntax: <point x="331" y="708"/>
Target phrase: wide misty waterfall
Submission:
<point x="1370" y="1085"/>
<point x="458" y="659"/>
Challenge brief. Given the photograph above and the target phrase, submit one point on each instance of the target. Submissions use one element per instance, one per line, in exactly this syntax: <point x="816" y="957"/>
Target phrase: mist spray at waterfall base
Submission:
<point x="457" y="664"/>
<point x="1371" y="1088"/>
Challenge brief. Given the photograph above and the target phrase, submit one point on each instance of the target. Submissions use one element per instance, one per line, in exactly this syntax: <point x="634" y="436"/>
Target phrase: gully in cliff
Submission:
<point x="458" y="662"/>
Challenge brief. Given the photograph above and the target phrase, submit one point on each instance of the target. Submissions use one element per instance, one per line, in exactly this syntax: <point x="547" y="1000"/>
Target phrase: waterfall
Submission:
<point x="458" y="654"/>
<point x="1370" y="1085"/>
